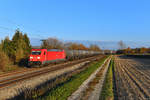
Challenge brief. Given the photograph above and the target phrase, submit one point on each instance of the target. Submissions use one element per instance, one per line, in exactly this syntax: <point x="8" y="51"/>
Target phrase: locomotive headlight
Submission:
<point x="31" y="57"/>
<point x="38" y="57"/>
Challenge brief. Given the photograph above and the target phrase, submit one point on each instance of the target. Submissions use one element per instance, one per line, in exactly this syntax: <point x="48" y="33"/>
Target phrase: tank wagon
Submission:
<point x="43" y="56"/>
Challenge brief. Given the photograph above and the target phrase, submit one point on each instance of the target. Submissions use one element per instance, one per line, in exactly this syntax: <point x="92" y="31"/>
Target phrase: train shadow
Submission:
<point x="23" y="62"/>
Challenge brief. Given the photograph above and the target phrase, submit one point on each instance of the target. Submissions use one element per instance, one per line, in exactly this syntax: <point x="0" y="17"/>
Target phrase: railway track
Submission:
<point x="14" y="77"/>
<point x="16" y="72"/>
<point x="37" y="68"/>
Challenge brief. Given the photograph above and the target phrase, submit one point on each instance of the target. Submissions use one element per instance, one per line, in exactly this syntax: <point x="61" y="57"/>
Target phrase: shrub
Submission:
<point x="4" y="61"/>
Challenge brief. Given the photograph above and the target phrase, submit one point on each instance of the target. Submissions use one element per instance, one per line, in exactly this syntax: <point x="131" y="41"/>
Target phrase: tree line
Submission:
<point x="15" y="51"/>
<point x="128" y="50"/>
<point x="54" y="43"/>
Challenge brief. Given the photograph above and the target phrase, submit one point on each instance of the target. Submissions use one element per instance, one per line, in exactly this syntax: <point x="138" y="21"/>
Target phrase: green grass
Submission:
<point x="63" y="91"/>
<point x="107" y="90"/>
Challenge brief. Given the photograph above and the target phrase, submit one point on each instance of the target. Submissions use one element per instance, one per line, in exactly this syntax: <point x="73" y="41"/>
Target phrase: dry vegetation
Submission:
<point x="5" y="64"/>
<point x="14" y="52"/>
<point x="4" y="61"/>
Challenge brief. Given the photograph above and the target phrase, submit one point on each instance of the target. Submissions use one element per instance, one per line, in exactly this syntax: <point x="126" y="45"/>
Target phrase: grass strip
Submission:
<point x="64" y="90"/>
<point x="107" y="90"/>
<point x="93" y="83"/>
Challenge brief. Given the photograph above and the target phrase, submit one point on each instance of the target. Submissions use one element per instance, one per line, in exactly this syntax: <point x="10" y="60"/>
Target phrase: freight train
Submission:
<point x="44" y="56"/>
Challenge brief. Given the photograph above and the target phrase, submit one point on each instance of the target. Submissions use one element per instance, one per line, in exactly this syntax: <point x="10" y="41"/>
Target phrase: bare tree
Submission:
<point x="94" y="47"/>
<point x="121" y="45"/>
<point x="52" y="43"/>
<point x="75" y="46"/>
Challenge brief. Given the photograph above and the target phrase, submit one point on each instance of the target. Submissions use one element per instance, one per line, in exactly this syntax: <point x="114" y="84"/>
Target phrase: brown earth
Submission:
<point x="132" y="78"/>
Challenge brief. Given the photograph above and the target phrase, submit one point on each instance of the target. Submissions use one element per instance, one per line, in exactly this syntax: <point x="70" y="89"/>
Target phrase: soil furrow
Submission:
<point x="131" y="81"/>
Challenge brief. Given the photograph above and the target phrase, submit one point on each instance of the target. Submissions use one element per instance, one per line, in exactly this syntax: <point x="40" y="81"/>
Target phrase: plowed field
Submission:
<point x="132" y="78"/>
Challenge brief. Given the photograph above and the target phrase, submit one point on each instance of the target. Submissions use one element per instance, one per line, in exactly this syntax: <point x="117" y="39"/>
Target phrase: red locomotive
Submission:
<point x="43" y="56"/>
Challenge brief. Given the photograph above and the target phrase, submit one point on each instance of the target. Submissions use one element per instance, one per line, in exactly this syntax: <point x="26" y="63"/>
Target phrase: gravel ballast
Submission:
<point x="15" y="89"/>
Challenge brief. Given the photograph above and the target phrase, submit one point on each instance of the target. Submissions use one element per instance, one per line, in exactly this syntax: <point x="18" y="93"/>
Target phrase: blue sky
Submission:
<point x="100" y="20"/>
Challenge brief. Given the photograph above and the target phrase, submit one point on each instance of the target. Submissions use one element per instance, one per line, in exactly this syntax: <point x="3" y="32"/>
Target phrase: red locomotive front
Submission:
<point x="42" y="56"/>
<point x="37" y="56"/>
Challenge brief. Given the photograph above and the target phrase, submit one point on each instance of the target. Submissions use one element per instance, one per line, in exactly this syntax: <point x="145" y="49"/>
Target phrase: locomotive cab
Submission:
<point x="37" y="56"/>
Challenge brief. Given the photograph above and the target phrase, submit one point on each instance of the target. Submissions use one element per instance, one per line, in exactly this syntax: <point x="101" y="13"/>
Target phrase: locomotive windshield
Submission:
<point x="36" y="52"/>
